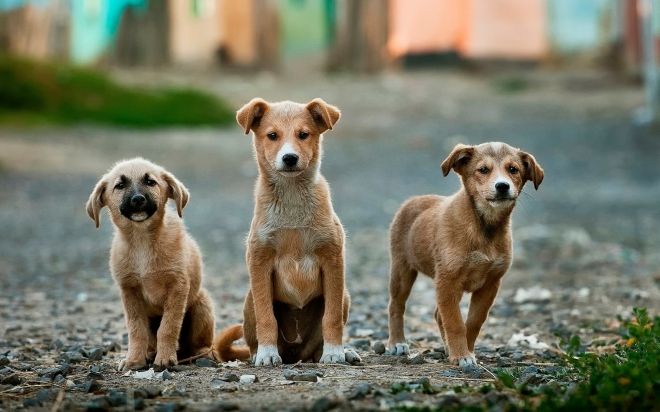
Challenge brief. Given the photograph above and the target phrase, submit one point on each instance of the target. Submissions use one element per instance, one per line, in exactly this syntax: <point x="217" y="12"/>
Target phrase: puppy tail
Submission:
<point x="223" y="344"/>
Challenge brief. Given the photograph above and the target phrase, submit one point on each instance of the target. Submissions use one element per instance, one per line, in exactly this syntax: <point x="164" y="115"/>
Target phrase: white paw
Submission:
<point x="351" y="356"/>
<point x="267" y="356"/>
<point x="398" y="349"/>
<point x="467" y="362"/>
<point x="333" y="354"/>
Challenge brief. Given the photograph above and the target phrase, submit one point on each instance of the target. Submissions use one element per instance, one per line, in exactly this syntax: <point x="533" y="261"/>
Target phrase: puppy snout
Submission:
<point x="138" y="200"/>
<point x="502" y="188"/>
<point x="290" y="159"/>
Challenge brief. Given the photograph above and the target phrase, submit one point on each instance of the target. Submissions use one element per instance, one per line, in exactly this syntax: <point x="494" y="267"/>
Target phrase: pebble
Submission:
<point x="296" y="376"/>
<point x="116" y="398"/>
<point x="89" y="386"/>
<point x="11" y="379"/>
<point x="362" y="344"/>
<point x="248" y="379"/>
<point x="324" y="404"/>
<point x="230" y="377"/>
<point x="205" y="363"/>
<point x="220" y="384"/>
<point x="379" y="347"/>
<point x="359" y="391"/>
<point x="4" y="361"/>
<point x="95" y="354"/>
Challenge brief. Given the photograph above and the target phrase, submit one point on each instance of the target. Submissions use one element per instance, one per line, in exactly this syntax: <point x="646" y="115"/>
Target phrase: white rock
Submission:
<point x="247" y="379"/>
<point x="149" y="374"/>
<point x="533" y="294"/>
<point x="526" y="341"/>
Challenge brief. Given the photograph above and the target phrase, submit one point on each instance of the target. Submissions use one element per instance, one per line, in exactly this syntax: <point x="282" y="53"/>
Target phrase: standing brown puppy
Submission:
<point x="155" y="263"/>
<point x="297" y="304"/>
<point x="462" y="241"/>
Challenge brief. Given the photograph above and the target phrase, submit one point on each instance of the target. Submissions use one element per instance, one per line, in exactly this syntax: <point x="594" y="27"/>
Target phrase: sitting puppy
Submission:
<point x="297" y="304"/>
<point x="462" y="241"/>
<point x="156" y="264"/>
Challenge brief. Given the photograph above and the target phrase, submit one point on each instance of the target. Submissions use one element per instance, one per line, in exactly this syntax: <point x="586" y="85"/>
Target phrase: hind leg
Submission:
<point x="402" y="278"/>
<point x="350" y="354"/>
<point x="250" y="324"/>
<point x="200" y="327"/>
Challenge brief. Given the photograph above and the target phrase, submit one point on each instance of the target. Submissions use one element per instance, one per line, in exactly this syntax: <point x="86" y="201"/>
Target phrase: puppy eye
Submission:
<point x="484" y="170"/>
<point x="150" y="182"/>
<point x="303" y="135"/>
<point x="513" y="170"/>
<point x="120" y="185"/>
<point x="272" y="136"/>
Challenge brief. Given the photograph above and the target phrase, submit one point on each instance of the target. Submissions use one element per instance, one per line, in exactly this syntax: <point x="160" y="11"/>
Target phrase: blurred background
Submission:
<point x="84" y="83"/>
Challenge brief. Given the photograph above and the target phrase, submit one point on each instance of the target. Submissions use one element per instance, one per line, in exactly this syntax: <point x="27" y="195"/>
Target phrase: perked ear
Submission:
<point x="95" y="202"/>
<point x="325" y="115"/>
<point x="533" y="172"/>
<point x="458" y="158"/>
<point x="177" y="191"/>
<point x="248" y="116"/>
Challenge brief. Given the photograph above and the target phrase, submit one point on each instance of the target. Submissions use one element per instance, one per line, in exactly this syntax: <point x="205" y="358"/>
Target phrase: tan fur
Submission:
<point x="295" y="249"/>
<point x="158" y="268"/>
<point x="462" y="241"/>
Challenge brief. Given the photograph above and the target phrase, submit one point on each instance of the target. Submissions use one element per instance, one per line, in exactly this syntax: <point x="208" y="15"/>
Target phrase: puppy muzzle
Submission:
<point x="138" y="207"/>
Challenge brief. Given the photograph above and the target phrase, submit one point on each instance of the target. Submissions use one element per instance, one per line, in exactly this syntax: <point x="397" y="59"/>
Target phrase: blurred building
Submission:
<point x="364" y="35"/>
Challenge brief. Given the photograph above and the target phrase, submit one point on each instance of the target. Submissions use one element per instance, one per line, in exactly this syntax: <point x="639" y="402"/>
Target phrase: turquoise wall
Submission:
<point x="94" y="25"/>
<point x="581" y="25"/>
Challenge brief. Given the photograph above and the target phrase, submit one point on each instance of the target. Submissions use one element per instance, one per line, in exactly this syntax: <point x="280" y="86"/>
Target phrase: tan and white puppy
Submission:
<point x="462" y="241"/>
<point x="155" y="263"/>
<point x="297" y="304"/>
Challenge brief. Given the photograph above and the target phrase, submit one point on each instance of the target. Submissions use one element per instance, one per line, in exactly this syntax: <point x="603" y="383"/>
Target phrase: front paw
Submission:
<point x="466" y="362"/>
<point x="333" y="354"/>
<point x="164" y="360"/>
<point x="398" y="349"/>
<point x="267" y="356"/>
<point x="132" y="363"/>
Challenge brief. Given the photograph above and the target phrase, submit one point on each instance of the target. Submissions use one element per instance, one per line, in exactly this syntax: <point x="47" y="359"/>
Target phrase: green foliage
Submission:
<point x="31" y="91"/>
<point x="626" y="380"/>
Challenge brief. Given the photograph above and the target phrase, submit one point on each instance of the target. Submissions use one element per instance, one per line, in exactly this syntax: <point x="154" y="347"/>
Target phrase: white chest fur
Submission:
<point x="297" y="279"/>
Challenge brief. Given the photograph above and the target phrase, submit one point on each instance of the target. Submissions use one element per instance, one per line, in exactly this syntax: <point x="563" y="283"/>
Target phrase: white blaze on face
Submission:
<point x="287" y="148"/>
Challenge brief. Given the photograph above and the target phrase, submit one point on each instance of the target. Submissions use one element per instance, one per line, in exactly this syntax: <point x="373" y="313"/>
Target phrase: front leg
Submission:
<point x="260" y="264"/>
<point x="332" y="267"/>
<point x="480" y="305"/>
<point x="174" y="310"/>
<point x="137" y="323"/>
<point x="449" y="293"/>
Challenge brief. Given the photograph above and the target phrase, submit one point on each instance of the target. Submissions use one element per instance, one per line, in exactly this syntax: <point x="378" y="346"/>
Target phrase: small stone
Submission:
<point x="95" y="375"/>
<point x="98" y="405"/>
<point x="295" y="376"/>
<point x="95" y="354"/>
<point x="4" y="361"/>
<point x="116" y="398"/>
<point x="248" y="379"/>
<point x="152" y="391"/>
<point x="11" y="379"/>
<point x="379" y="347"/>
<point x="517" y="356"/>
<point x="230" y="377"/>
<point x="165" y="375"/>
<point x="359" y="392"/>
<point x="90" y="386"/>
<point x="113" y="346"/>
<point x="205" y="363"/>
<point x="71" y="357"/>
<point x="363" y="344"/>
<point x="220" y="384"/>
<point x="324" y="404"/>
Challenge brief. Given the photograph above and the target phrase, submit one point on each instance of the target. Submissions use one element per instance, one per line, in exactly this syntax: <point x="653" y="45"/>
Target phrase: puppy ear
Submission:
<point x="533" y="171"/>
<point x="248" y="116"/>
<point x="177" y="191"/>
<point x="95" y="202"/>
<point x="457" y="158"/>
<point x="324" y="115"/>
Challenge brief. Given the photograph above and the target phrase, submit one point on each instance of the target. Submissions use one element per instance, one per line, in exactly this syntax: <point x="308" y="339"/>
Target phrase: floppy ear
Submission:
<point x="95" y="202"/>
<point x="249" y="115"/>
<point x="458" y="158"/>
<point x="324" y="115"/>
<point x="177" y="191"/>
<point x="533" y="172"/>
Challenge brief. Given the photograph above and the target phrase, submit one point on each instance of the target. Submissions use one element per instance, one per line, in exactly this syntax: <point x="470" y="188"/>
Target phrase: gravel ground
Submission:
<point x="587" y="245"/>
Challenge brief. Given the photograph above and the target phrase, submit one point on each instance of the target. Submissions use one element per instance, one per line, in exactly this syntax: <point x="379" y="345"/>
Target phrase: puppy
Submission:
<point x="155" y="263"/>
<point x="297" y="304"/>
<point x="462" y="241"/>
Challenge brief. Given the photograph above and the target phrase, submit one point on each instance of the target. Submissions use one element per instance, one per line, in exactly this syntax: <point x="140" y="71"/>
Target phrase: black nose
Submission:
<point x="290" y="159"/>
<point x="138" y="200"/>
<point x="502" y="187"/>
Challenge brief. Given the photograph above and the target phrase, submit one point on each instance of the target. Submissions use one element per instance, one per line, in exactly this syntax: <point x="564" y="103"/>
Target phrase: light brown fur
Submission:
<point x="157" y="266"/>
<point x="297" y="304"/>
<point x="462" y="241"/>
